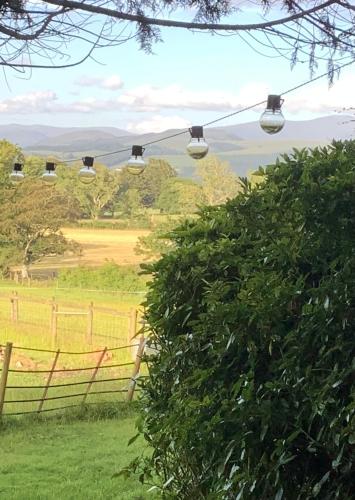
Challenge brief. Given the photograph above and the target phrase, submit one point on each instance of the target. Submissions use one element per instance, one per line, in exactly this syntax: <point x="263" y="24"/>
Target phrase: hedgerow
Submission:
<point x="109" y="276"/>
<point x="251" y="393"/>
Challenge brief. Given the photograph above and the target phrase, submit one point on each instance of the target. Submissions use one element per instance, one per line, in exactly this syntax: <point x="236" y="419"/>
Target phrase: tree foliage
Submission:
<point x="219" y="183"/>
<point x="94" y="197"/>
<point x="251" y="390"/>
<point x="150" y="183"/>
<point x="9" y="153"/>
<point x="30" y="220"/>
<point x="157" y="242"/>
<point x="41" y="36"/>
<point x="180" y="196"/>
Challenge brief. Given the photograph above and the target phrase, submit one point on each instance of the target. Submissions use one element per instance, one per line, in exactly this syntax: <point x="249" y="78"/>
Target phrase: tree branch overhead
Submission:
<point x="40" y="35"/>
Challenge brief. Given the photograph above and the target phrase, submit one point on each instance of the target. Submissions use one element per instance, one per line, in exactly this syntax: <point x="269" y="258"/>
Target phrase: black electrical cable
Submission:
<point x="234" y="113"/>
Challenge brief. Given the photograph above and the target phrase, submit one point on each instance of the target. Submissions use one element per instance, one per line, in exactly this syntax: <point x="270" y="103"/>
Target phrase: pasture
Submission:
<point x="33" y="327"/>
<point x="111" y="328"/>
<point x="74" y="453"/>
<point x="71" y="460"/>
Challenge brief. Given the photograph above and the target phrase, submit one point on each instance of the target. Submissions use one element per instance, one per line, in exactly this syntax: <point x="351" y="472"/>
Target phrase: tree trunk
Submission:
<point x="24" y="271"/>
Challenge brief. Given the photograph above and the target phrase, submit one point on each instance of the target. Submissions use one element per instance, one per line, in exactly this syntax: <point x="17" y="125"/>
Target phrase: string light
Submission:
<point x="49" y="176"/>
<point x="272" y="120"/>
<point x="87" y="174"/>
<point x="17" y="175"/>
<point x="136" y="163"/>
<point x="234" y="113"/>
<point x="197" y="148"/>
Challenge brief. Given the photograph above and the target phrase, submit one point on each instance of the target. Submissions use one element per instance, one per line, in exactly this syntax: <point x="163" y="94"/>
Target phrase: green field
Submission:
<point x="69" y="461"/>
<point x="68" y="455"/>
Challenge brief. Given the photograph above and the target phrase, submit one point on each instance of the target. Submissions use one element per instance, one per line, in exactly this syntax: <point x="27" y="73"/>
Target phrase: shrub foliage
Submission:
<point x="251" y="393"/>
<point x="109" y="276"/>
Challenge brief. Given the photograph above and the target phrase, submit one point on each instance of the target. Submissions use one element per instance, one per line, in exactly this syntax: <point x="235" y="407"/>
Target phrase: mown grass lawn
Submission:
<point x="69" y="460"/>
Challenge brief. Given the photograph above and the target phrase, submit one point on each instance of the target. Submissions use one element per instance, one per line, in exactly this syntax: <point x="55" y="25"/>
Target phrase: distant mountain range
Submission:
<point x="244" y="145"/>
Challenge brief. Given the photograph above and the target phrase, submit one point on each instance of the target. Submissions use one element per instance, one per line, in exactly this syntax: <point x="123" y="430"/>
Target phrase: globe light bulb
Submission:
<point x="197" y="147"/>
<point x="49" y="176"/>
<point x="136" y="163"/>
<point x="272" y="120"/>
<point x="17" y="175"/>
<point x="87" y="174"/>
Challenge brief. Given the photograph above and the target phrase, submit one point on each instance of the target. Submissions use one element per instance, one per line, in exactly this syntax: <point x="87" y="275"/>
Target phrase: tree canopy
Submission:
<point x="39" y="34"/>
<point x="30" y="220"/>
<point x="219" y="183"/>
<point x="149" y="184"/>
<point x="180" y="196"/>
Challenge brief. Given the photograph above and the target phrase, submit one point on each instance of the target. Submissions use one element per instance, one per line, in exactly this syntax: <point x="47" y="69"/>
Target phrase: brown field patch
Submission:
<point x="98" y="246"/>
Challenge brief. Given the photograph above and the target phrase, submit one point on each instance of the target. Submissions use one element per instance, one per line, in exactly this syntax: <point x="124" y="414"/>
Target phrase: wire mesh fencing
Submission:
<point x="45" y="380"/>
<point x="65" y="325"/>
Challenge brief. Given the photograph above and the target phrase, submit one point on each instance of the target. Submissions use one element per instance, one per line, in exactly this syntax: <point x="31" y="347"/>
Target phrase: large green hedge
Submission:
<point x="251" y="395"/>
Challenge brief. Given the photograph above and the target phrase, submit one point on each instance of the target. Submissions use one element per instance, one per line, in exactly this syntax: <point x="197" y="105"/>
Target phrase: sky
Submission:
<point x="191" y="78"/>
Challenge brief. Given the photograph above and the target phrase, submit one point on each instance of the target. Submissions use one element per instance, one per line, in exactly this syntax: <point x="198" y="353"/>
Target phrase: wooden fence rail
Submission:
<point x="7" y="370"/>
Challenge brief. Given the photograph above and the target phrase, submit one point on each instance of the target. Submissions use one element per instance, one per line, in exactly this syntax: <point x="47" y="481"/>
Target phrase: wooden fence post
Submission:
<point x="4" y="374"/>
<point x="90" y="323"/>
<point x="132" y="325"/>
<point x="12" y="302"/>
<point x="14" y="307"/>
<point x="54" y="323"/>
<point x="94" y="374"/>
<point x="48" y="383"/>
<point x="136" y="368"/>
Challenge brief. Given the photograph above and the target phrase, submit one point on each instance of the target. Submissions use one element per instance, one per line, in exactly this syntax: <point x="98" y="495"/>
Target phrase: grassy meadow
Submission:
<point x="33" y="331"/>
<point x="64" y="454"/>
<point x="72" y="460"/>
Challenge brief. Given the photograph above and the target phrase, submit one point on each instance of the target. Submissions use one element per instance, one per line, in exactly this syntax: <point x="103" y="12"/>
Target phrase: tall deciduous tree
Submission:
<point x="94" y="197"/>
<point x="9" y="153"/>
<point x="129" y="203"/>
<point x="180" y="196"/>
<point x="218" y="181"/>
<point x="150" y="183"/>
<point x="295" y="29"/>
<point x="31" y="216"/>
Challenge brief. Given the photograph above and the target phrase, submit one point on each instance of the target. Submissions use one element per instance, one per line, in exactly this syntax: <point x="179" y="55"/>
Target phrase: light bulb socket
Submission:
<point x="274" y="102"/>
<point x="50" y="166"/>
<point x="88" y="161"/>
<point x="196" y="132"/>
<point x="137" y="150"/>
<point x="17" y="167"/>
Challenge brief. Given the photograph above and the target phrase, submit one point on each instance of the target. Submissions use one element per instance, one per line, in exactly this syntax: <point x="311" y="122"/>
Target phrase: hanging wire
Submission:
<point x="224" y="117"/>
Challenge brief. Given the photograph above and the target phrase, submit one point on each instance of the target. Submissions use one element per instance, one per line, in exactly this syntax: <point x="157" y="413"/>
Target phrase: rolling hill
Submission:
<point x="244" y="145"/>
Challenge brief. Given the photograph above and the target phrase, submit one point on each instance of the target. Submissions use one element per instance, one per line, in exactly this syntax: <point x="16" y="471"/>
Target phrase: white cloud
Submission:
<point x="33" y="102"/>
<point x="158" y="123"/>
<point x="149" y="98"/>
<point x="113" y="82"/>
<point x="315" y="98"/>
<point x="319" y="98"/>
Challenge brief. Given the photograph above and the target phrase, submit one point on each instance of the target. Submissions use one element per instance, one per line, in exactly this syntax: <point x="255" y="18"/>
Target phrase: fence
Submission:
<point x="90" y="324"/>
<point x="42" y="393"/>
